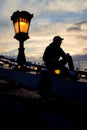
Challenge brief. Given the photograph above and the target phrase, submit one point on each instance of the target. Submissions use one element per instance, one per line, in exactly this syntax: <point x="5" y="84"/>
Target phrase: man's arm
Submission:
<point x="63" y="54"/>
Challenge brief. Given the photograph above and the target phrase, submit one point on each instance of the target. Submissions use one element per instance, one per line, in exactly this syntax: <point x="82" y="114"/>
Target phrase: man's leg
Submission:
<point x="72" y="73"/>
<point x="70" y="63"/>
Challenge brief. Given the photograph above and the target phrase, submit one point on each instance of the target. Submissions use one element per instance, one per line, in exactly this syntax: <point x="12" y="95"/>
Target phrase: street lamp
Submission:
<point x="21" y="21"/>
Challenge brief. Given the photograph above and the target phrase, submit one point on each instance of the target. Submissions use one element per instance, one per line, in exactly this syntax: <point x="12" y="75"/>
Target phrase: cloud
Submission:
<point x="78" y="30"/>
<point x="74" y="28"/>
<point x="78" y="26"/>
<point x="67" y="6"/>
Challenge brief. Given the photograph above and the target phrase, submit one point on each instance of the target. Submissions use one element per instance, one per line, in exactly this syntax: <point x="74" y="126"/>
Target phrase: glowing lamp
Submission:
<point x="21" y="21"/>
<point x="35" y="68"/>
<point x="19" y="66"/>
<point x="57" y="71"/>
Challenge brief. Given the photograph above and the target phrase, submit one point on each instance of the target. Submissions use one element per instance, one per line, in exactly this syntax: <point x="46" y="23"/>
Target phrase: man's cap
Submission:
<point x="57" y="38"/>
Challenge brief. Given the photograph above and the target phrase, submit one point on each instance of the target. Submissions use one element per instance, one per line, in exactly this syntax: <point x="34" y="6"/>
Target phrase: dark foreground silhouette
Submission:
<point x="23" y="108"/>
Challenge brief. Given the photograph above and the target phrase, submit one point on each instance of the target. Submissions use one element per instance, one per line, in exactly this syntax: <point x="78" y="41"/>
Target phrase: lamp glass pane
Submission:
<point x="16" y="27"/>
<point x="24" y="25"/>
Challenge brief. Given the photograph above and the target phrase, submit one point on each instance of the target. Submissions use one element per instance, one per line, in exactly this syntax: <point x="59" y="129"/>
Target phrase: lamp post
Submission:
<point x="21" y="21"/>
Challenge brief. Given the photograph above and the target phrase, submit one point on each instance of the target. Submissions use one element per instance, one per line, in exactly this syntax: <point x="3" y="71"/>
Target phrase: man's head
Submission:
<point x="57" y="39"/>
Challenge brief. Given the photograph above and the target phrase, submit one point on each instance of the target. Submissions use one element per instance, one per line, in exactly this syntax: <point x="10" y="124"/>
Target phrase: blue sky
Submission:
<point x="66" y="18"/>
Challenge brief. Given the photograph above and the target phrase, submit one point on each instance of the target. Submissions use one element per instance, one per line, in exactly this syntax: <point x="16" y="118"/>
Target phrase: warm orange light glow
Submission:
<point x="57" y="71"/>
<point x="7" y="65"/>
<point x="35" y="68"/>
<point x="16" y="27"/>
<point x="19" y="66"/>
<point x="21" y="25"/>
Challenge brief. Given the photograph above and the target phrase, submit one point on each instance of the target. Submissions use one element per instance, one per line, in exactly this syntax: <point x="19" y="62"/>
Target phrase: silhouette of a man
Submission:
<point x="54" y="56"/>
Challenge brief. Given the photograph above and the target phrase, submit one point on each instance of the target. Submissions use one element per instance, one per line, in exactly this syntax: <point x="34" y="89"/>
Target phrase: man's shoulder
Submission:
<point x="49" y="46"/>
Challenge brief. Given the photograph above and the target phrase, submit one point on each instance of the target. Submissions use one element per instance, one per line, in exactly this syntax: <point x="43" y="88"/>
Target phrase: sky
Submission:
<point x="66" y="18"/>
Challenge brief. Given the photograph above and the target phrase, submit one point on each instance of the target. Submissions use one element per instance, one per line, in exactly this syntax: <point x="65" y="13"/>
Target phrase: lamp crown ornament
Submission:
<point x="22" y="14"/>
